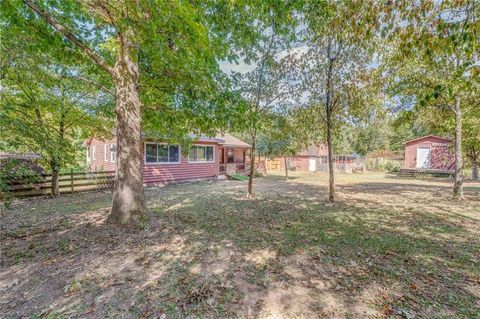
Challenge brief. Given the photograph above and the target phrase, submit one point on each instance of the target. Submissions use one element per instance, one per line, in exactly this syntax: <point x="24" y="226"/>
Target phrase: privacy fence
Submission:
<point x="36" y="185"/>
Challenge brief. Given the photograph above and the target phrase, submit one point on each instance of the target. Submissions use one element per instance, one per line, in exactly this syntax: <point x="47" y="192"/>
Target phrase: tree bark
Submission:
<point x="458" y="183"/>
<point x="128" y="198"/>
<point x="328" y="110"/>
<point x="475" y="169"/>
<point x="55" y="175"/>
<point x="331" y="167"/>
<point x="286" y="167"/>
<point x="252" y="169"/>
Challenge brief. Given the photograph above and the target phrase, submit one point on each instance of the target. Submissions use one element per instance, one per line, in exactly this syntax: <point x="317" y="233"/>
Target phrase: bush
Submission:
<point x="383" y="164"/>
<point x="15" y="170"/>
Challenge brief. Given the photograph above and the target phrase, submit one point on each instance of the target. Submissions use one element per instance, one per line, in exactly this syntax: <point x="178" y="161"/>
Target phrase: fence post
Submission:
<point x="71" y="179"/>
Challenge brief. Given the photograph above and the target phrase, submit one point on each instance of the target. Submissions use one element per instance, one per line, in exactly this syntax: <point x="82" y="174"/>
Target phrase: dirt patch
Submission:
<point x="388" y="248"/>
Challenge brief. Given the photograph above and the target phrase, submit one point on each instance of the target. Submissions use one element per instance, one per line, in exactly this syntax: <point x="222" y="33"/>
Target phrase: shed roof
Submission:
<point x="20" y="156"/>
<point x="429" y="136"/>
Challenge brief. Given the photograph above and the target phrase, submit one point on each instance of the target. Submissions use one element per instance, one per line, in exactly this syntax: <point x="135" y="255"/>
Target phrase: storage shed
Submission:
<point x="429" y="153"/>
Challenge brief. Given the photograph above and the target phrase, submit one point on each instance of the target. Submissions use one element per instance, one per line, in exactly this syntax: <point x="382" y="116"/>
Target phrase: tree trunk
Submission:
<point x="458" y="184"/>
<point x="475" y="169"/>
<point x="252" y="169"/>
<point x="328" y="110"/>
<point x="331" y="167"/>
<point x="128" y="197"/>
<point x="55" y="175"/>
<point x="286" y="167"/>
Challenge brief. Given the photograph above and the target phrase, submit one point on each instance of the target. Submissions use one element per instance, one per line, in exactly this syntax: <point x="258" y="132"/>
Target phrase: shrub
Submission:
<point x="15" y="170"/>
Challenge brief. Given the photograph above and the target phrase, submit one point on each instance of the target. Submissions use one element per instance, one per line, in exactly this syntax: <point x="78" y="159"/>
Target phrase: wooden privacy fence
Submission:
<point x="67" y="183"/>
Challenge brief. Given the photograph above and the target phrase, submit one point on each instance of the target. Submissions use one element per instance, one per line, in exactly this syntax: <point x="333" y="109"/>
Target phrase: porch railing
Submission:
<point x="232" y="167"/>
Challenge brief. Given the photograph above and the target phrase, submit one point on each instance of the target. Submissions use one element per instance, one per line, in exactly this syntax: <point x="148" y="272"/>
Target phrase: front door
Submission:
<point x="312" y="164"/>
<point x="423" y="157"/>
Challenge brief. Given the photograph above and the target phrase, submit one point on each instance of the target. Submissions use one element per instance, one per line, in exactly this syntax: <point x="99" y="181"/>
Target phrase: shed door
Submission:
<point x="423" y="157"/>
<point x="312" y="164"/>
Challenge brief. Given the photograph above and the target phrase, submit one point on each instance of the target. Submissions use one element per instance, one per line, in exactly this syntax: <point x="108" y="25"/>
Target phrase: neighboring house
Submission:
<point x="429" y="153"/>
<point x="315" y="158"/>
<point x="306" y="160"/>
<point x="164" y="163"/>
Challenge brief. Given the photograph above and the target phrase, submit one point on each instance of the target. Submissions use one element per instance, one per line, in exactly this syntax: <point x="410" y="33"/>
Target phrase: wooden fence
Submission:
<point x="67" y="183"/>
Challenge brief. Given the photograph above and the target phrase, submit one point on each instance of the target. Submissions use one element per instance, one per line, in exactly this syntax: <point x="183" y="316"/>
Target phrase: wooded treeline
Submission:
<point x="359" y="76"/>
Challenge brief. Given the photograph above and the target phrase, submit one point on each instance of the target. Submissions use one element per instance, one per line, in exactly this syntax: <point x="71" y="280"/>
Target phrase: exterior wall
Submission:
<point x="299" y="162"/>
<point x="442" y="157"/>
<point x="99" y="162"/>
<point x="159" y="174"/>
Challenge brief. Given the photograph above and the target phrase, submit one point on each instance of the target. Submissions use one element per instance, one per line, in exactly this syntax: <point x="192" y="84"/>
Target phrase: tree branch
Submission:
<point x="69" y="35"/>
<point x="101" y="86"/>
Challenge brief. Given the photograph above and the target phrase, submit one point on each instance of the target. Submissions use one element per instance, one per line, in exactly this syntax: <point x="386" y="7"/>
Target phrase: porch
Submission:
<point x="233" y="160"/>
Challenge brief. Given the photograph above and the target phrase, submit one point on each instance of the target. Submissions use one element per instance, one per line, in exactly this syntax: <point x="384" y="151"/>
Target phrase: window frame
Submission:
<point x="200" y="162"/>
<point x="113" y="154"/>
<point x="161" y="163"/>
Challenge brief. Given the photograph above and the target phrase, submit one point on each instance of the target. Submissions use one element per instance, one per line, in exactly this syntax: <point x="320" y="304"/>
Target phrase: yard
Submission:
<point x="389" y="248"/>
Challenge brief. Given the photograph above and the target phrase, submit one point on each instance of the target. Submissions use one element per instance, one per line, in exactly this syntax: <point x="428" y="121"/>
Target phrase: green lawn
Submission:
<point x="388" y="248"/>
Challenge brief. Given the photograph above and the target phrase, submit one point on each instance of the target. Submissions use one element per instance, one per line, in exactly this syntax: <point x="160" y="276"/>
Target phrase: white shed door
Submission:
<point x="312" y="164"/>
<point x="423" y="157"/>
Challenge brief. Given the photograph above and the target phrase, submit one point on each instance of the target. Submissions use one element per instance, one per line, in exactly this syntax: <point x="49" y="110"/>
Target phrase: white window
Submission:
<point x="88" y="154"/>
<point x="105" y="152"/>
<point x="201" y="153"/>
<point x="93" y="152"/>
<point x="162" y="153"/>
<point x="113" y="152"/>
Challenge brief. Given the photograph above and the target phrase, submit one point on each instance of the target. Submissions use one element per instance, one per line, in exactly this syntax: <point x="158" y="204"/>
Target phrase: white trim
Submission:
<point x="201" y="162"/>
<point x="105" y="152"/>
<point x="429" y="158"/>
<point x="93" y="152"/>
<point x="160" y="163"/>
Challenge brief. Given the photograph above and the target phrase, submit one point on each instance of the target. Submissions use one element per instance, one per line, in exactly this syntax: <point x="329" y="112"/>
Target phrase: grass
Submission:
<point x="388" y="248"/>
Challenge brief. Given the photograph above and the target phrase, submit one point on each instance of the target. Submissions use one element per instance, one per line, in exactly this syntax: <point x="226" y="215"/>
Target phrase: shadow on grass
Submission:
<point x="206" y="251"/>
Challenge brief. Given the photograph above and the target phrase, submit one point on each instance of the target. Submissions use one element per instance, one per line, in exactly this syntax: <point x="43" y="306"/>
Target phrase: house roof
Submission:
<point x="223" y="139"/>
<point x="429" y="136"/>
<point x="314" y="150"/>
<point x="230" y="140"/>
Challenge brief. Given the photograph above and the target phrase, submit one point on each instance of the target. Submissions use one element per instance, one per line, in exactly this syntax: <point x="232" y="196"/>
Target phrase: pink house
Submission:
<point x="165" y="163"/>
<point x="429" y="153"/>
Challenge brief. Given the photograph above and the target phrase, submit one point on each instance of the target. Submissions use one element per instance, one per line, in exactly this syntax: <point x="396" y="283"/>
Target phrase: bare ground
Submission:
<point x="389" y="248"/>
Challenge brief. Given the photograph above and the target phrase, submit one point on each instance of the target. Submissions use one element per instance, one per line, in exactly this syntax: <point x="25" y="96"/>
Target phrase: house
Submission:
<point x="315" y="158"/>
<point x="208" y="157"/>
<point x="307" y="159"/>
<point x="429" y="153"/>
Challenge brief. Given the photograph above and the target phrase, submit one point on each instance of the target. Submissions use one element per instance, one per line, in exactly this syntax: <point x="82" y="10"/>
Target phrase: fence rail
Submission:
<point x="25" y="186"/>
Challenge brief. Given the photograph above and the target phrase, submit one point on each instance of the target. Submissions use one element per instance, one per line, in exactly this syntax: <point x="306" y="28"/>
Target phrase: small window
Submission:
<point x="93" y="152"/>
<point x="199" y="153"/>
<point x="162" y="153"/>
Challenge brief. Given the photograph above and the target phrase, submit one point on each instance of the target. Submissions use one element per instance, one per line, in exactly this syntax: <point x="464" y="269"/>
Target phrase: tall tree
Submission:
<point x="158" y="55"/>
<point x="266" y="88"/>
<point x="44" y="108"/>
<point x="340" y="46"/>
<point x="437" y="46"/>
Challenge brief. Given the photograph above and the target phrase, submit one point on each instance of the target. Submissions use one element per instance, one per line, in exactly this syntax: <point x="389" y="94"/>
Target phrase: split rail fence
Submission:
<point x="67" y="183"/>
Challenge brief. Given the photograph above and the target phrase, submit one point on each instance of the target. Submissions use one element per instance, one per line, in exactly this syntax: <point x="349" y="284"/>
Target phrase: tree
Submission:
<point x="161" y="57"/>
<point x="282" y="139"/>
<point x="44" y="109"/>
<point x="437" y="45"/>
<point x="266" y="88"/>
<point x="339" y="42"/>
